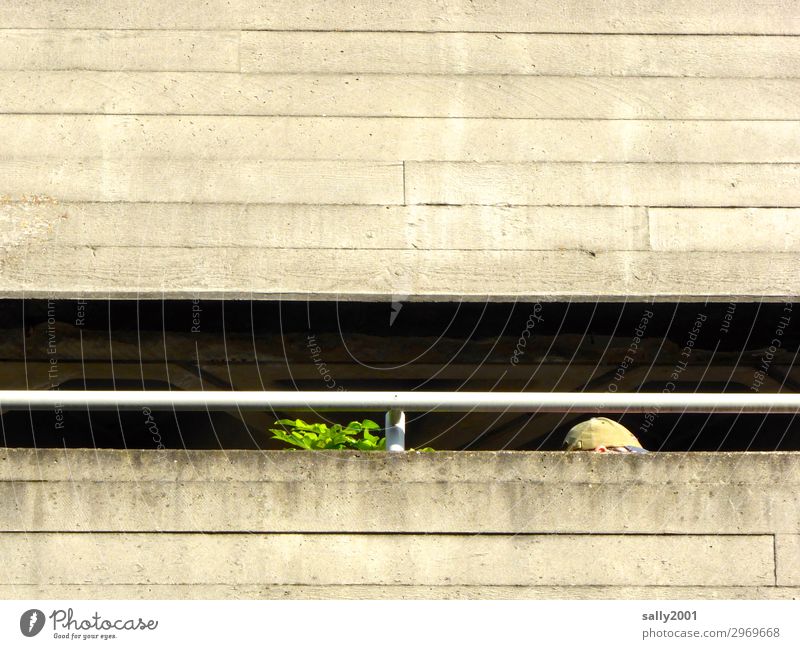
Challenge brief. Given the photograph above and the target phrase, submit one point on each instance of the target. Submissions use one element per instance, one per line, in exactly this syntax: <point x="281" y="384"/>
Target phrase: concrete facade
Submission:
<point x="439" y="151"/>
<point x="273" y="524"/>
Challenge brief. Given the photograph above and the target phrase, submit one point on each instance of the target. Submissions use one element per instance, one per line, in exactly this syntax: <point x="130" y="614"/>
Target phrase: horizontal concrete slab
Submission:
<point x="408" y="95"/>
<point x="625" y="16"/>
<point x="452" y="492"/>
<point x="155" y="50"/>
<point x="787" y="558"/>
<point x="217" y="181"/>
<point x="353" y="466"/>
<point x="388" y="591"/>
<point x="392" y="139"/>
<point x="766" y="230"/>
<point x="523" y="507"/>
<point x="332" y="227"/>
<point x="534" y="54"/>
<point x="342" y="559"/>
<point x="507" y="275"/>
<point x="651" y="184"/>
<point x="159" y="180"/>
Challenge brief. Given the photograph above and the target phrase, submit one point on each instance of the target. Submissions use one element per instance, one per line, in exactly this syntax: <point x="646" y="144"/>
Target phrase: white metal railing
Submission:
<point x="396" y="403"/>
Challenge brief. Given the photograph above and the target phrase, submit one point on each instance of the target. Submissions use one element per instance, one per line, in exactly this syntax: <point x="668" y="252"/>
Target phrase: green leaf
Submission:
<point x="320" y="436"/>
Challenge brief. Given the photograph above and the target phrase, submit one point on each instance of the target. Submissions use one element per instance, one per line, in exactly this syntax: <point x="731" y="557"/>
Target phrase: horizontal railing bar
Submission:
<point x="583" y="402"/>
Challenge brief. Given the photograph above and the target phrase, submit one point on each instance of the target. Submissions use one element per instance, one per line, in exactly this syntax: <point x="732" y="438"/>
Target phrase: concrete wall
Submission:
<point x="87" y="523"/>
<point x="502" y="149"/>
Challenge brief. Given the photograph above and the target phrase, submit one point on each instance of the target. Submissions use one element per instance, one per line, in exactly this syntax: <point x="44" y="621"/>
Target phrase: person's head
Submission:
<point x="601" y="435"/>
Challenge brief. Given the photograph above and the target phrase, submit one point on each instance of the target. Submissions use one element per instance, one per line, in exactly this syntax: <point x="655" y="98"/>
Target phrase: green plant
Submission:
<point x="355" y="435"/>
<point x="315" y="437"/>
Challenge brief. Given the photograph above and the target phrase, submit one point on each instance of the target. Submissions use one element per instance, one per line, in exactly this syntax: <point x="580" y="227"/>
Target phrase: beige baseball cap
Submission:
<point x="600" y="431"/>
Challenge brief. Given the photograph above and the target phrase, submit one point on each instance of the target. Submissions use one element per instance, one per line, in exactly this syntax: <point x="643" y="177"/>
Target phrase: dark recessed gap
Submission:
<point x="400" y="345"/>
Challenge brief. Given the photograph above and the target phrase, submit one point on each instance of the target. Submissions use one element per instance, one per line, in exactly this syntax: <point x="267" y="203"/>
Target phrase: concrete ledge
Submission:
<point x="399" y="559"/>
<point x="787" y="559"/>
<point x="353" y="466"/>
<point x="295" y="591"/>
<point x="385" y="507"/>
<point x="446" y="492"/>
<point x="277" y="524"/>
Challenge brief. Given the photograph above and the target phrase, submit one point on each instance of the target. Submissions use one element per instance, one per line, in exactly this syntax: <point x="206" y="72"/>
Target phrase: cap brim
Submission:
<point x="637" y="449"/>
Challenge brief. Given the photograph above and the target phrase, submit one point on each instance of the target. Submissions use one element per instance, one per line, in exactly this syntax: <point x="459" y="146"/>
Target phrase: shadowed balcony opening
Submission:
<point x="527" y="346"/>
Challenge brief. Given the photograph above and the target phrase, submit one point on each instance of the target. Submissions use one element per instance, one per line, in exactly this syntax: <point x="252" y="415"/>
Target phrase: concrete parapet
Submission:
<point x="447" y="524"/>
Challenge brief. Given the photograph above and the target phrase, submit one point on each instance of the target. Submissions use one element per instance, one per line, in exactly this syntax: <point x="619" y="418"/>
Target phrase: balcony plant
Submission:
<point x="357" y="435"/>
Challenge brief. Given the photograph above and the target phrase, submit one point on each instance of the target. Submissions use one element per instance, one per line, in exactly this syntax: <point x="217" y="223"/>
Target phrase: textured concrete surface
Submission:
<point x="514" y="53"/>
<point x="155" y="50"/>
<point x="760" y="469"/>
<point x="494" y="275"/>
<point x="541" y="123"/>
<point x="294" y="591"/>
<point x="455" y="492"/>
<point x="787" y="557"/>
<point x="448" y="524"/>
<point x="625" y="16"/>
<point x="607" y="184"/>
<point x="397" y="95"/>
<point x="376" y="227"/>
<point x="429" y="559"/>
<point x="254" y="137"/>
